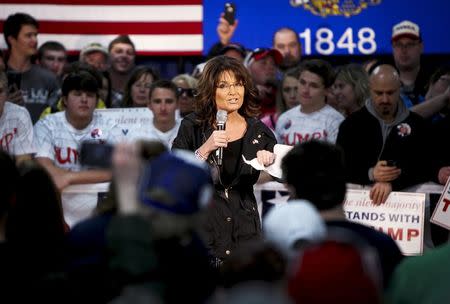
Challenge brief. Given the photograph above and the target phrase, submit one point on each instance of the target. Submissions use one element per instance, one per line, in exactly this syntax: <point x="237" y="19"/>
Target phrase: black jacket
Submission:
<point x="234" y="216"/>
<point x="360" y="136"/>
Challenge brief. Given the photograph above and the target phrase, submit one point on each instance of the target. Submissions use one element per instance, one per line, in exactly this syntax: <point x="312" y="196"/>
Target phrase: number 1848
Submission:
<point x="325" y="45"/>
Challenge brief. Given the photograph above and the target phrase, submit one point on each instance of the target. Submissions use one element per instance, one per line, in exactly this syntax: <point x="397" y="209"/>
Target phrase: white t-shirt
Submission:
<point x="150" y="132"/>
<point x="294" y="126"/>
<point x="16" y="130"/>
<point x="58" y="140"/>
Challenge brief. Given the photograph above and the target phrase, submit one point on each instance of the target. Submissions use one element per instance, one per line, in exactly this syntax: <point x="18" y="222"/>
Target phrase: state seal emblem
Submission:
<point x="326" y="8"/>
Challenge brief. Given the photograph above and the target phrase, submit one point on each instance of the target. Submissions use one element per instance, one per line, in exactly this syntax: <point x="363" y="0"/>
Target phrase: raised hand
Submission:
<point x="225" y="30"/>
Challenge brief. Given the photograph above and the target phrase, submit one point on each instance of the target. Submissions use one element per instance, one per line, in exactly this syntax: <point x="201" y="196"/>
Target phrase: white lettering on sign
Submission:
<point x="326" y="41"/>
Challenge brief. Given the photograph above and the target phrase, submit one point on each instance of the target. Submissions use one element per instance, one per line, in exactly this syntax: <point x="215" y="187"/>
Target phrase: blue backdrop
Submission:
<point x="366" y="32"/>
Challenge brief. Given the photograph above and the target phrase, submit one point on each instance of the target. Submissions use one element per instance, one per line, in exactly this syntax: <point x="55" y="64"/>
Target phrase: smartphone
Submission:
<point x="96" y="155"/>
<point x="391" y="163"/>
<point x="229" y="12"/>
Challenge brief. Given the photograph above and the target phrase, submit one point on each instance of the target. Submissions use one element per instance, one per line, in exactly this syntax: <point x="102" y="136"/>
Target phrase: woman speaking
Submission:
<point x="223" y="128"/>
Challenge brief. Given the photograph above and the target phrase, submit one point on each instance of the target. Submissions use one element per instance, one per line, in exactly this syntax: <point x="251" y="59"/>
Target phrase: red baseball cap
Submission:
<point x="261" y="53"/>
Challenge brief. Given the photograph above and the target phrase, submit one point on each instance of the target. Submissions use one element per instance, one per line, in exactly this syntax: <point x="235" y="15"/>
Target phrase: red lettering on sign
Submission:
<point x="412" y="233"/>
<point x="446" y="203"/>
<point x="396" y="235"/>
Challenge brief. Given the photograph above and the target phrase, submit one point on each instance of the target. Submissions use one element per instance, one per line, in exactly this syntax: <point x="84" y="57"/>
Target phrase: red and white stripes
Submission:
<point x="157" y="27"/>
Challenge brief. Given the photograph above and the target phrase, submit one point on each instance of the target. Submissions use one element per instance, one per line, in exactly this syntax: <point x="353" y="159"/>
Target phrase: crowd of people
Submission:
<point x="180" y="221"/>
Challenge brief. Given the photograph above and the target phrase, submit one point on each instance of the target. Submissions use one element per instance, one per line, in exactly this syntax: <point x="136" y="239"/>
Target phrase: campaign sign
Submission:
<point x="401" y="217"/>
<point x="441" y="214"/>
<point x="129" y="120"/>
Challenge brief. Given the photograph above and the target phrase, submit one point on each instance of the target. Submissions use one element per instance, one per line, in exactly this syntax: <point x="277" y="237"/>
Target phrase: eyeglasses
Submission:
<point x="189" y="92"/>
<point x="227" y="86"/>
<point x="406" y="46"/>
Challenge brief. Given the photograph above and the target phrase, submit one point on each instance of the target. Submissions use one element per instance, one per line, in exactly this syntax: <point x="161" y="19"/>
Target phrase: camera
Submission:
<point x="96" y="155"/>
<point x="229" y="13"/>
<point x="99" y="155"/>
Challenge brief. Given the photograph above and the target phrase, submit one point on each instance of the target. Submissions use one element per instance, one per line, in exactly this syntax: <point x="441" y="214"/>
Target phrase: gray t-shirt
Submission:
<point x="38" y="85"/>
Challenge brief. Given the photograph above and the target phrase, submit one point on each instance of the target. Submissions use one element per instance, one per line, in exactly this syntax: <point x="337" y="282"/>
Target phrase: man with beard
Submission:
<point x="385" y="145"/>
<point x="287" y="42"/>
<point x="122" y="54"/>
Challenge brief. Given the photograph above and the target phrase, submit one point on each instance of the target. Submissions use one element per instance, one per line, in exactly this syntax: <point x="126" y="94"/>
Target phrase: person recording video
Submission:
<point x="223" y="128"/>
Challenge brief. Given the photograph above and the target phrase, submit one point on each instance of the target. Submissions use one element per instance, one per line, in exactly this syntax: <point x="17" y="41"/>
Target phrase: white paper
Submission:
<point x="274" y="169"/>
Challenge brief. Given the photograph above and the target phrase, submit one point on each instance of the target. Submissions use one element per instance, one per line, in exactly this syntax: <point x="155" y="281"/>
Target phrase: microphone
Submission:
<point x="221" y="119"/>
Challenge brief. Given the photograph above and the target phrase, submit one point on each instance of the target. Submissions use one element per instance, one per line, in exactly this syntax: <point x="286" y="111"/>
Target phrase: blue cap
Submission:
<point x="176" y="182"/>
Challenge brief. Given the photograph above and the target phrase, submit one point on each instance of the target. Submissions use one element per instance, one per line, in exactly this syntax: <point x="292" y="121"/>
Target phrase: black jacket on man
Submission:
<point x="365" y="139"/>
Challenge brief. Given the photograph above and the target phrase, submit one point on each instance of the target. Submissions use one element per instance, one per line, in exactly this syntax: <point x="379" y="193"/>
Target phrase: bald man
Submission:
<point x="385" y="145"/>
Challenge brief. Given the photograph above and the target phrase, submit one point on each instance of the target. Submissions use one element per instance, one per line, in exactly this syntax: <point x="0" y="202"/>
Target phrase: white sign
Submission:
<point x="128" y="119"/>
<point x="401" y="217"/>
<point x="441" y="214"/>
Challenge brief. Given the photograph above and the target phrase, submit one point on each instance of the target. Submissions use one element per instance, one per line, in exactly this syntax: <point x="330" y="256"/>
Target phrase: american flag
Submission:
<point x="157" y="27"/>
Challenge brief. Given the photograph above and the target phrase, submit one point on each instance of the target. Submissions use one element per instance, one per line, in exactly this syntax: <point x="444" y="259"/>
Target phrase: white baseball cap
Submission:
<point x="405" y="29"/>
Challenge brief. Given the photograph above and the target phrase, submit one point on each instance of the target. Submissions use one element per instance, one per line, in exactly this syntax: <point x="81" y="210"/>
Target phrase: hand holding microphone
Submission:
<point x="218" y="139"/>
<point x="221" y="119"/>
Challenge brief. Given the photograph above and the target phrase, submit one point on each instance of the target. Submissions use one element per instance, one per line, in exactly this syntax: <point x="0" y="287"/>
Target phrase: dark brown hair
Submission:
<point x="135" y="76"/>
<point x="321" y="68"/>
<point x="125" y="39"/>
<point x="279" y="101"/>
<point x="316" y="171"/>
<point x="14" y="23"/>
<point x="50" y="46"/>
<point x="205" y="105"/>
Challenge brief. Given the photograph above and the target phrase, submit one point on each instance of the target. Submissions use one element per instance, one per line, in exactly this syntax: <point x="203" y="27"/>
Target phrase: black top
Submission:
<point x="231" y="160"/>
